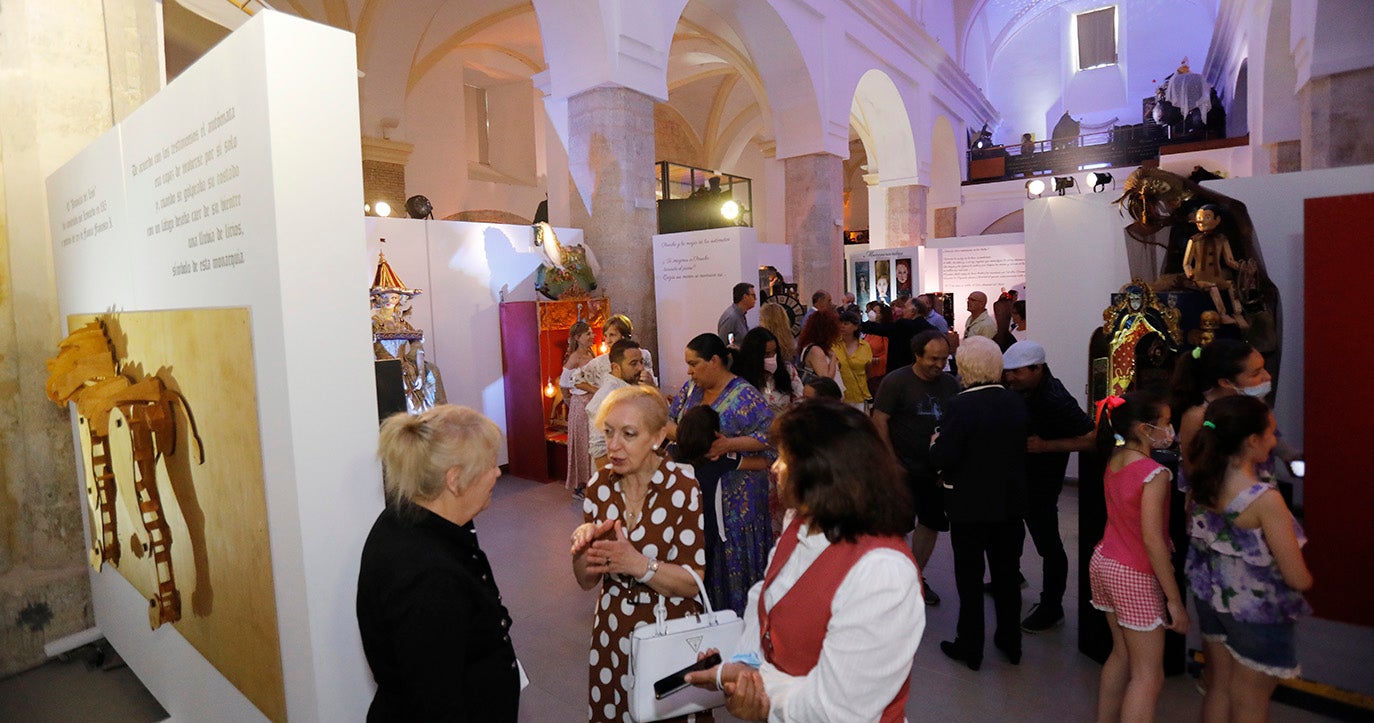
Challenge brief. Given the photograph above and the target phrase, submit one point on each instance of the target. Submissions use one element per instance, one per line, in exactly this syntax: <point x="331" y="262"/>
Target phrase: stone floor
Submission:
<point x="525" y="532"/>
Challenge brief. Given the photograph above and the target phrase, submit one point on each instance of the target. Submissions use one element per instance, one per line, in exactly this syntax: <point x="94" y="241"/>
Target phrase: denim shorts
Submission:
<point x="1269" y="648"/>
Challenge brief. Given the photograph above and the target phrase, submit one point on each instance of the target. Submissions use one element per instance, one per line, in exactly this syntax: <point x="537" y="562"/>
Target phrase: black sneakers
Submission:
<point x="1043" y="618"/>
<point x="929" y="595"/>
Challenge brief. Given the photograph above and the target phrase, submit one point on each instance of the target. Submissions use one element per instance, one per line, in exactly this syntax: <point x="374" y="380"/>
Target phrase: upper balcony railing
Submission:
<point x="1116" y="147"/>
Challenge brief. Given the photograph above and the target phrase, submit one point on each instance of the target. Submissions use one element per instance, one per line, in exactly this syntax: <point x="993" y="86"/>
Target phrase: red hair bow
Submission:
<point x="1107" y="404"/>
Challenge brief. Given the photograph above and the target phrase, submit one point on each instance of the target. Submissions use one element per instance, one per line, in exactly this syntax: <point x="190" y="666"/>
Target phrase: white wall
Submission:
<point x="465" y="270"/>
<point x="695" y="273"/>
<point x="293" y="88"/>
<point x="1033" y="79"/>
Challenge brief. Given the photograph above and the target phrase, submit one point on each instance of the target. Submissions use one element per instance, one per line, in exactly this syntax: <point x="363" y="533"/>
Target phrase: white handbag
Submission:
<point x="668" y="646"/>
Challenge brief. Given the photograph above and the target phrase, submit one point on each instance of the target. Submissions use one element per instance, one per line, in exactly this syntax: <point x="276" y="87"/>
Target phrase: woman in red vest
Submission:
<point x="831" y="630"/>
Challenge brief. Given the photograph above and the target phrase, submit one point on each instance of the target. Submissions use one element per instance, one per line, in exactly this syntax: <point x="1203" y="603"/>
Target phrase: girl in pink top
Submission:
<point x="1131" y="573"/>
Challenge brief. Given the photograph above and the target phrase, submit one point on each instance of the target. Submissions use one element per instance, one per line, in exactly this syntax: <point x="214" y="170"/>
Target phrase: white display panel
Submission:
<point x="239" y="184"/>
<point x="465" y="270"/>
<point x="882" y="274"/>
<point x="695" y="273"/>
<point x="991" y="264"/>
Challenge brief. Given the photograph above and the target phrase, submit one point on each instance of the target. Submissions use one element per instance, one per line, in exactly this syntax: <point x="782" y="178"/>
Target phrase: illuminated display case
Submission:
<point x="692" y="199"/>
<point x="534" y="339"/>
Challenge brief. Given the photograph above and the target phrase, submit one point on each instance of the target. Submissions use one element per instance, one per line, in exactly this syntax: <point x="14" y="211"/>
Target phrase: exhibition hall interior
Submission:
<point x="241" y="235"/>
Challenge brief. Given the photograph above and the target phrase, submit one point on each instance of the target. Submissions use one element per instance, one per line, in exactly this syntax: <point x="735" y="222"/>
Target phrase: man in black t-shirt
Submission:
<point x="1056" y="426"/>
<point x="907" y="412"/>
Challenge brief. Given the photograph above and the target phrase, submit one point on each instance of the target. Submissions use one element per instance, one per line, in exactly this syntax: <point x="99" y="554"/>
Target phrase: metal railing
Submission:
<point x="1119" y="146"/>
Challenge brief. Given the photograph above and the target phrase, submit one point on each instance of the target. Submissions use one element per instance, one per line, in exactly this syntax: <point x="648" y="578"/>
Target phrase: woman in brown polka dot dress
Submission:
<point x="643" y="525"/>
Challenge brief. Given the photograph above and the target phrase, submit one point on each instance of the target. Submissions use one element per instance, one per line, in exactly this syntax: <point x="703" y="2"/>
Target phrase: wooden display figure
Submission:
<point x="393" y="337"/>
<point x="85" y="372"/>
<point x="1209" y="263"/>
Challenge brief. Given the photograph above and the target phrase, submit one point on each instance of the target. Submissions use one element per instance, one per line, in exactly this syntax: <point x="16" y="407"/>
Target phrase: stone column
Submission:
<point x="906" y="215"/>
<point x="1337" y="129"/>
<point x="611" y="161"/>
<point x="814" y="222"/>
<point x="108" y="56"/>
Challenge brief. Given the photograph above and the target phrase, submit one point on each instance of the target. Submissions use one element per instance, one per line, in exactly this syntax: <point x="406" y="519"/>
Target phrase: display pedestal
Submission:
<point x="534" y="340"/>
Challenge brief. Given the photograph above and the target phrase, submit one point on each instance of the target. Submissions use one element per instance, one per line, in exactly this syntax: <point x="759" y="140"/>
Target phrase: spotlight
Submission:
<point x="382" y="208"/>
<point x="419" y="207"/>
<point x="1061" y="183"/>
<point x="1034" y="188"/>
<point x="1099" y="180"/>
<point x="730" y="210"/>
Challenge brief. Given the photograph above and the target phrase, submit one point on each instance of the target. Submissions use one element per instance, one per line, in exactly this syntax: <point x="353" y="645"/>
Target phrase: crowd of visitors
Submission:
<point x="807" y="481"/>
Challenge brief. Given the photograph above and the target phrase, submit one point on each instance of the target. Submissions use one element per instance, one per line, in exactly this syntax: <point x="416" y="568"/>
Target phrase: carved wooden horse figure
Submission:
<point x="86" y="373"/>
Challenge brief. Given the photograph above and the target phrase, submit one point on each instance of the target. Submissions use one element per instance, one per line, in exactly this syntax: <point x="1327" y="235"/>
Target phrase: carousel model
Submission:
<point x="394" y="338"/>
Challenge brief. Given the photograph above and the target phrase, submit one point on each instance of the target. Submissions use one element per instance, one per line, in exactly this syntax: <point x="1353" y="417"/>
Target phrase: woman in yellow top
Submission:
<point x="853" y="355"/>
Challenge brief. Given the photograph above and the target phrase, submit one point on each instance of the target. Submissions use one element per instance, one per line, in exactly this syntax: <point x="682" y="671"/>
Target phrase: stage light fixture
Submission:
<point x="1034" y="188"/>
<point x="419" y="207"/>
<point x="382" y="208"/>
<point x="1061" y="183"/>
<point x="1099" y="180"/>
<point x="729" y="210"/>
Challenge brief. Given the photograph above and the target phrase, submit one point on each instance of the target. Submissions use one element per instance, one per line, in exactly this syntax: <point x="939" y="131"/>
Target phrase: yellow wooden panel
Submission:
<point x="216" y="512"/>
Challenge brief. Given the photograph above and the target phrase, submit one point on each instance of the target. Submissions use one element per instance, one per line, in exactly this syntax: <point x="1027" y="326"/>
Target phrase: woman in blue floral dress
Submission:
<point x="1245" y="564"/>
<point x="733" y="565"/>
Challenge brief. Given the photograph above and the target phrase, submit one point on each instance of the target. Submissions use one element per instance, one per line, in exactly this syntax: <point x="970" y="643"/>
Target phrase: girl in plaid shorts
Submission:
<point x="1131" y="574"/>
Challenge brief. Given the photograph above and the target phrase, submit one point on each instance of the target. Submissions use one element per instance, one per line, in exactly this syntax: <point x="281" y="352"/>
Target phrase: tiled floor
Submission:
<point x="525" y="532"/>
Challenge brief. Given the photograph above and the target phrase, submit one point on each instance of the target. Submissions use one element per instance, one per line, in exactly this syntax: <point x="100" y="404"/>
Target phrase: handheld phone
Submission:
<point x="1297" y="467"/>
<point x="674" y="682"/>
<point x="731" y="338"/>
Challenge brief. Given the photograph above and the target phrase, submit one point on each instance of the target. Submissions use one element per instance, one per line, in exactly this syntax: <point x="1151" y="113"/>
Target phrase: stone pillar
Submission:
<point x="611" y="161"/>
<point x="108" y="52"/>
<point x="814" y="221"/>
<point x="906" y="215"/>
<point x="1337" y="129"/>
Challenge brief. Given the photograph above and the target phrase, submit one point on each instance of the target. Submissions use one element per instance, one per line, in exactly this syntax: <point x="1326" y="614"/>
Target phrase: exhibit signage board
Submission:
<point x="882" y="274"/>
<point x="992" y="264"/>
<point x="239" y="186"/>
<point x="695" y="273"/>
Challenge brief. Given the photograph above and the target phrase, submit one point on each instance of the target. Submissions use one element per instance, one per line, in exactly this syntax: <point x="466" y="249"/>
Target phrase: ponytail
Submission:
<point x="1116" y="416"/>
<point x="1199" y="371"/>
<point x="1228" y="423"/>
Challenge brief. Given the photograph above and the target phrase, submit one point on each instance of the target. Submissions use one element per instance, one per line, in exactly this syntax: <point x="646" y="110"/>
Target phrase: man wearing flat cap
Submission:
<point x="1056" y="426"/>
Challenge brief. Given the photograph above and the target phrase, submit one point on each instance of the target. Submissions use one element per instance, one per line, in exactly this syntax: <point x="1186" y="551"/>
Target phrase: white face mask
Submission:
<point x="1259" y="390"/>
<point x="770" y="364"/>
<point x="1161" y="442"/>
<point x="872" y="316"/>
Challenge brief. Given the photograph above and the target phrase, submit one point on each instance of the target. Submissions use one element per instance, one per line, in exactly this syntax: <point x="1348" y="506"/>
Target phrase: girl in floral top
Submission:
<point x="1245" y="564"/>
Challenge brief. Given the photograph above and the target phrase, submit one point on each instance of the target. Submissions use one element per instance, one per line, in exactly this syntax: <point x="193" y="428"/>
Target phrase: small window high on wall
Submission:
<point x="478" y="123"/>
<point x="1095" y="33"/>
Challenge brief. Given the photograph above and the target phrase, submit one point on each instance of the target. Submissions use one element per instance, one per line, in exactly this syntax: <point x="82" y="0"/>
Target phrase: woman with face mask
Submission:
<point x="759" y="361"/>
<point x="1224" y="368"/>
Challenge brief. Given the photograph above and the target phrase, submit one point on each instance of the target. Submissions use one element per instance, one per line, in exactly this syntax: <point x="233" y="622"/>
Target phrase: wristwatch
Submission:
<point x="649" y="573"/>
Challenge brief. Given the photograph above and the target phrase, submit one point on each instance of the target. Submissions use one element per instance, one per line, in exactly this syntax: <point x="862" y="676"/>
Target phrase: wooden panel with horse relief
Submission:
<point x="184" y="519"/>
